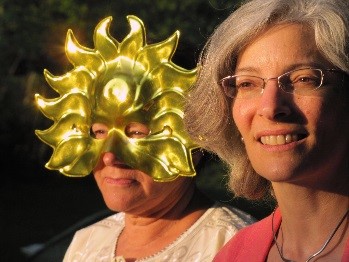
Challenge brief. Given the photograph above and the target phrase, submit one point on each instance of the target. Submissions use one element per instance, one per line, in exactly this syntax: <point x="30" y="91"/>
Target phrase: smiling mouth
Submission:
<point x="280" y="139"/>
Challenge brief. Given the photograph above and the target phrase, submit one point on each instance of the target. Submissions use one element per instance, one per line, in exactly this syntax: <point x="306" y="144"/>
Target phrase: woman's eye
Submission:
<point x="245" y="85"/>
<point x="136" y="130"/>
<point x="99" y="131"/>
<point x="248" y="82"/>
<point x="136" y="134"/>
<point x="306" y="79"/>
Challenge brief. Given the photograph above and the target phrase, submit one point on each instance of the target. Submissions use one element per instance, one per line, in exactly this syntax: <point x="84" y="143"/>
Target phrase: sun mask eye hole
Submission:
<point x="137" y="130"/>
<point x="99" y="131"/>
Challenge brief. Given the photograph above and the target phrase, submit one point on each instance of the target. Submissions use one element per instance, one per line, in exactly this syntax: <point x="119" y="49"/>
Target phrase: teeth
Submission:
<point x="279" y="139"/>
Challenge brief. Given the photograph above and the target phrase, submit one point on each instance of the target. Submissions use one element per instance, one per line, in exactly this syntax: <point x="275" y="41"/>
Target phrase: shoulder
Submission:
<point x="103" y="227"/>
<point x="224" y="221"/>
<point x="110" y="222"/>
<point x="252" y="242"/>
<point x="96" y="240"/>
<point x="207" y="235"/>
<point x="222" y="213"/>
<point x="217" y="225"/>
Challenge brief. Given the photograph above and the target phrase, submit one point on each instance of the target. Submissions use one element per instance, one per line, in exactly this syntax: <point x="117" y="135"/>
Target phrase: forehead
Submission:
<point x="282" y="46"/>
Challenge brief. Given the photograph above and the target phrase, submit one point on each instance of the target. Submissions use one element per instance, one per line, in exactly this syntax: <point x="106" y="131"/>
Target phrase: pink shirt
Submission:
<point x="253" y="243"/>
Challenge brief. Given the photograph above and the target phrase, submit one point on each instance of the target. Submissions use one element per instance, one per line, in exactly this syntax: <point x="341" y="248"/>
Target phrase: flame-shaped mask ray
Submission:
<point x="117" y="84"/>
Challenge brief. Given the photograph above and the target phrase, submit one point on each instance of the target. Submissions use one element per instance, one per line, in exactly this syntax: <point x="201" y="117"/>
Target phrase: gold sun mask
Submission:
<point x="118" y="83"/>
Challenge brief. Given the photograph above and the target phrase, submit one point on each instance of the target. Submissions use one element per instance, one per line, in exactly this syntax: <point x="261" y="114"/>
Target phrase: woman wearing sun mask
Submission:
<point x="119" y="115"/>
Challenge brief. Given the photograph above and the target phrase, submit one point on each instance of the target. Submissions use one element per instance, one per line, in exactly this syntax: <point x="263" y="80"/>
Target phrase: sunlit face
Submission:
<point x="290" y="137"/>
<point x="130" y="190"/>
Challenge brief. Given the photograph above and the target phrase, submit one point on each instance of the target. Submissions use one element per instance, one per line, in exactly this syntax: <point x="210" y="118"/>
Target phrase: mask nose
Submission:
<point x="113" y="143"/>
<point x="112" y="152"/>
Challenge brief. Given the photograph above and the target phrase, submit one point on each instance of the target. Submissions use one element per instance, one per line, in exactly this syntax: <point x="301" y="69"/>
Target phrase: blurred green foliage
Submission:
<point x="32" y="33"/>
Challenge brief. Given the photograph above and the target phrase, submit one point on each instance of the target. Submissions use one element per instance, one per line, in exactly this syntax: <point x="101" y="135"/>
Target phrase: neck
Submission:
<point x="176" y="208"/>
<point x="309" y="218"/>
<point x="145" y="235"/>
<point x="313" y="203"/>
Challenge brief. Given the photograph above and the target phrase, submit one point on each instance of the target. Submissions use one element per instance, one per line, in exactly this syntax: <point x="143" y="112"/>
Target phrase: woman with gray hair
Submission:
<point x="271" y="100"/>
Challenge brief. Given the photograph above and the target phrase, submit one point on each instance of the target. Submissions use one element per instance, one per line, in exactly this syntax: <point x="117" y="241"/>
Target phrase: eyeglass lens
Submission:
<point x="300" y="81"/>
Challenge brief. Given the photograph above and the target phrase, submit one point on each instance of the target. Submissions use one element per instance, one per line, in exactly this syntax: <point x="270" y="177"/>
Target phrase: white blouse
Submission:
<point x="199" y="243"/>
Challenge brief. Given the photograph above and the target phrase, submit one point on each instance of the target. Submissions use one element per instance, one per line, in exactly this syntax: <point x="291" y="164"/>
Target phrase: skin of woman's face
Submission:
<point x="129" y="190"/>
<point x="317" y="124"/>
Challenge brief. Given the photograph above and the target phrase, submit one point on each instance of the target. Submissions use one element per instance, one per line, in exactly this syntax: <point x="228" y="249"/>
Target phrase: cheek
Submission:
<point x="97" y="177"/>
<point x="97" y="173"/>
<point x="330" y="125"/>
<point x="318" y="113"/>
<point x="98" y="166"/>
<point x="242" y="114"/>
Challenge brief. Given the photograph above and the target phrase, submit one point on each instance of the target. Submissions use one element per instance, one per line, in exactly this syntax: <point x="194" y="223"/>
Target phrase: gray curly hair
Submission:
<point x="208" y="115"/>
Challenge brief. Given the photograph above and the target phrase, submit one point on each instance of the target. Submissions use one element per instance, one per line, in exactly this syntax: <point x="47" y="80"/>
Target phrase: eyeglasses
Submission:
<point x="300" y="81"/>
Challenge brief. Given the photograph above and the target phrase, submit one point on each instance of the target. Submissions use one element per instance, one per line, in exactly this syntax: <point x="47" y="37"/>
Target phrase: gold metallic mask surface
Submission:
<point x="118" y="83"/>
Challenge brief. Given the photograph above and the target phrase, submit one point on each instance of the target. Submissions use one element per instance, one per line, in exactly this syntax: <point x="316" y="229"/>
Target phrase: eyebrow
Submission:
<point x="255" y="70"/>
<point x="248" y="69"/>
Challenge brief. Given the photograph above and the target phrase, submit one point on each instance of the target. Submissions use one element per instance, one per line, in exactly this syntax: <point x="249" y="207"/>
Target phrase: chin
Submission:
<point x="116" y="206"/>
<point x="121" y="202"/>
<point x="278" y="174"/>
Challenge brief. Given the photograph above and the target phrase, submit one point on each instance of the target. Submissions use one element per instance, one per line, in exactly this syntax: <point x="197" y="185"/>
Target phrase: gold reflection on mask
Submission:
<point x="117" y="84"/>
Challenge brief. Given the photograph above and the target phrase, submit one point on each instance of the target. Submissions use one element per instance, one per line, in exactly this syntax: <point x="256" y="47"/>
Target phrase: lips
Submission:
<point x="274" y="140"/>
<point x="120" y="181"/>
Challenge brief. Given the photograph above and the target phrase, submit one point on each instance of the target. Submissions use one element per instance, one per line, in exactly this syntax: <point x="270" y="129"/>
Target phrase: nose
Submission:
<point x="109" y="159"/>
<point x="274" y="102"/>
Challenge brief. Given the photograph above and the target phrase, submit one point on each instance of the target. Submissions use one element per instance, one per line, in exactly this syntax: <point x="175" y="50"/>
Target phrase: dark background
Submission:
<point x="37" y="205"/>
